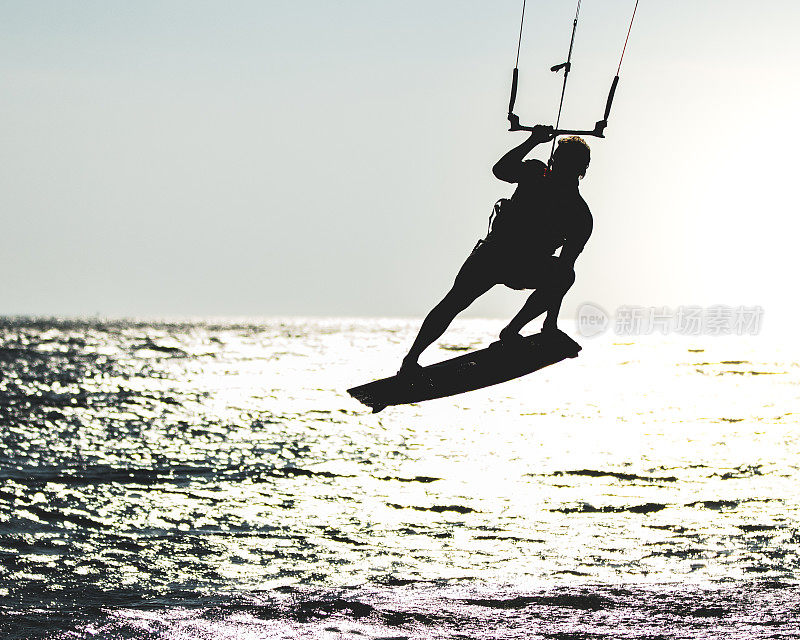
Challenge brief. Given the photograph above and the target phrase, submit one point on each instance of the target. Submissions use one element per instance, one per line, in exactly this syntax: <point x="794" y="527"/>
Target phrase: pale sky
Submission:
<point x="165" y="158"/>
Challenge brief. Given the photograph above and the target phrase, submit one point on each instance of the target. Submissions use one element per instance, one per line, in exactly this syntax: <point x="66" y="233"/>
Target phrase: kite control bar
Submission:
<point x="599" y="126"/>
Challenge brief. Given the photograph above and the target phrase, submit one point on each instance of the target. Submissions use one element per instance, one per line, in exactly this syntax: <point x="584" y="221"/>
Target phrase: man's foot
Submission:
<point x="551" y="330"/>
<point x="509" y="335"/>
<point x="409" y="367"/>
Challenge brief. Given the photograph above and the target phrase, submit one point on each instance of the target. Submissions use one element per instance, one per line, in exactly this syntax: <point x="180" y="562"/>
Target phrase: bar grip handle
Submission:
<point x="514" y="82"/>
<point x="611" y="97"/>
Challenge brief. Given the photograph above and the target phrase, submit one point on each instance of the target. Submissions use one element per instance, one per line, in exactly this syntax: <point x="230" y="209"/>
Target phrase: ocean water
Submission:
<point x="193" y="480"/>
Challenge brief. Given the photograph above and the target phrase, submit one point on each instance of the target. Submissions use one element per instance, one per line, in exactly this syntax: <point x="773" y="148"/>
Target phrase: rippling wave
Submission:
<point x="213" y="479"/>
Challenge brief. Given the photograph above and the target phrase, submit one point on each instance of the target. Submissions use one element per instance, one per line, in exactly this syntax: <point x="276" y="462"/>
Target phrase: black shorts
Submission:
<point x="492" y="263"/>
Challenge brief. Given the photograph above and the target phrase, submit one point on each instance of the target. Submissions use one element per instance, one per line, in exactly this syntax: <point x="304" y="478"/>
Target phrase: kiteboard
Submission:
<point x="499" y="362"/>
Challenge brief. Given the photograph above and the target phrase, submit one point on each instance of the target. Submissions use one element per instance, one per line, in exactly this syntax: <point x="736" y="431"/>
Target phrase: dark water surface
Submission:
<point x="214" y="480"/>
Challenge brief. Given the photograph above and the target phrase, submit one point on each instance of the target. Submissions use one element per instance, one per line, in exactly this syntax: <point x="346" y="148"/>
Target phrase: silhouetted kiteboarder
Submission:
<point x="545" y="213"/>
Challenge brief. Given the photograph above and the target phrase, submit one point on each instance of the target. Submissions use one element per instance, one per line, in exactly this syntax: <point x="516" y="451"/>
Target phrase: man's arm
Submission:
<point x="509" y="167"/>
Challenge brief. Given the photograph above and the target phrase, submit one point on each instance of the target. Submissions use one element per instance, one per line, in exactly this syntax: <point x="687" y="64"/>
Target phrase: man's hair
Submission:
<point x="575" y="148"/>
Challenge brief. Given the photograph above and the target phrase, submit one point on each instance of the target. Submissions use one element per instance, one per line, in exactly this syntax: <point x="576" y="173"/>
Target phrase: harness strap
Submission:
<point x="492" y="216"/>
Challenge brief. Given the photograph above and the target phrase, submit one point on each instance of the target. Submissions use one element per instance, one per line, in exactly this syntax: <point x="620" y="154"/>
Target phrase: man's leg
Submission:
<point x="471" y="282"/>
<point x="546" y="298"/>
<point x="554" y="309"/>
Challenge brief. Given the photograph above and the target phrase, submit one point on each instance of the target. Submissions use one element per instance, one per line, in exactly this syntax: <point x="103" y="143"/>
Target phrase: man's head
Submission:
<point x="571" y="157"/>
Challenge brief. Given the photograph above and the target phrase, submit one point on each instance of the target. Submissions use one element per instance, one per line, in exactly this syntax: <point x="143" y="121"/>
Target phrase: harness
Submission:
<point x="496" y="210"/>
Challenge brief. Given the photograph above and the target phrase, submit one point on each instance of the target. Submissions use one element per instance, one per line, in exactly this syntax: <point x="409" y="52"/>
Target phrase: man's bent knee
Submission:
<point x="563" y="277"/>
<point x="568" y="278"/>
